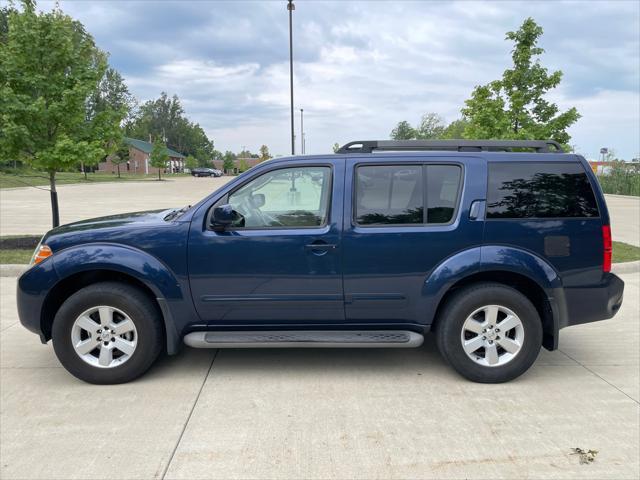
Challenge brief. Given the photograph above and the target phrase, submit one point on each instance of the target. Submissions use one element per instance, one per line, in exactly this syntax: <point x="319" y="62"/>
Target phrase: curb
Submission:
<point x="627" y="267"/>
<point x="10" y="270"/>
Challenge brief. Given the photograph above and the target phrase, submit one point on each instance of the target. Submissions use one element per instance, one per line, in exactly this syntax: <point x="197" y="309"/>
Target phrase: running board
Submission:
<point x="306" y="339"/>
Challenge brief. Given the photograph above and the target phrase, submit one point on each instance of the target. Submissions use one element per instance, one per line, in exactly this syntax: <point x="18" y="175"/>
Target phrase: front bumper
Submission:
<point x="590" y="304"/>
<point x="33" y="287"/>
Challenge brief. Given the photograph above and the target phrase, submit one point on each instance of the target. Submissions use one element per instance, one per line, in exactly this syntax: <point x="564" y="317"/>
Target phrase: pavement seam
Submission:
<point x="186" y="423"/>
<point x="600" y="377"/>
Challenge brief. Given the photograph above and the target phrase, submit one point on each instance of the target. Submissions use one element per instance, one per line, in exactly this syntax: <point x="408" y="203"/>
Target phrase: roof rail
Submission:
<point x="369" y="146"/>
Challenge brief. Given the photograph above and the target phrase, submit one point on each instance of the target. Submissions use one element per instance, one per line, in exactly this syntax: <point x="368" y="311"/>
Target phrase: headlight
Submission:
<point x="42" y="252"/>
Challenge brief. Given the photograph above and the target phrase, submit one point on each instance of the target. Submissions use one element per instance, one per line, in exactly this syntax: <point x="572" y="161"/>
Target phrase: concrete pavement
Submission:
<point x="625" y="218"/>
<point x="27" y="211"/>
<point x="325" y="413"/>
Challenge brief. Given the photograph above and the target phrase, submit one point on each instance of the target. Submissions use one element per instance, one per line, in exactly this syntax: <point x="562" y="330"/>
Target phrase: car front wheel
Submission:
<point x="489" y="333"/>
<point x="107" y="333"/>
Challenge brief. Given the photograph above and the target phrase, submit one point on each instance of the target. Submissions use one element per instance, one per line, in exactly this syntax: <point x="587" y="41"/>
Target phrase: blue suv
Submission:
<point x="492" y="245"/>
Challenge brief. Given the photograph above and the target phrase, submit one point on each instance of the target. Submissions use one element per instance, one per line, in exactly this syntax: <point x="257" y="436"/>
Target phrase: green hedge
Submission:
<point x="620" y="182"/>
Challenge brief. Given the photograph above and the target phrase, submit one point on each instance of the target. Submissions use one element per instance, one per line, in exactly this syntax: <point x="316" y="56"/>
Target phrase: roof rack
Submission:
<point x="369" y="146"/>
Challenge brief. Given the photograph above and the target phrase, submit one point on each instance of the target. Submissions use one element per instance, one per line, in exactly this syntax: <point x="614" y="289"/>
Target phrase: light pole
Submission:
<point x="302" y="131"/>
<point x="291" y="7"/>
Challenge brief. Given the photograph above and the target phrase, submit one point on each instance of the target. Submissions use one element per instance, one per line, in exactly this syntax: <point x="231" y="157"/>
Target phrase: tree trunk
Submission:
<point x="159" y="174"/>
<point x="55" y="213"/>
<point x="118" y="170"/>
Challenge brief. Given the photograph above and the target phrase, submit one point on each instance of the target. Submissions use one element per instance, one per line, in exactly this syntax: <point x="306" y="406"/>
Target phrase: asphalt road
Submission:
<point x="325" y="413"/>
<point x="27" y="210"/>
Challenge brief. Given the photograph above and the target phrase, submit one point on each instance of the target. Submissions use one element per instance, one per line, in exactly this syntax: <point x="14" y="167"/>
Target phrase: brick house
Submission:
<point x="138" y="162"/>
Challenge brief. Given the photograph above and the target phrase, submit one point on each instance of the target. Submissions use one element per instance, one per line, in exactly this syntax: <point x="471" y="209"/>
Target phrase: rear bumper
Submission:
<point x="590" y="304"/>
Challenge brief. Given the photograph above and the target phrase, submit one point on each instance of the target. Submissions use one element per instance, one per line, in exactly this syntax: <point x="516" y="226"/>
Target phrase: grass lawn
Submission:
<point x="16" y="256"/>
<point x="623" y="252"/>
<point x="29" y="178"/>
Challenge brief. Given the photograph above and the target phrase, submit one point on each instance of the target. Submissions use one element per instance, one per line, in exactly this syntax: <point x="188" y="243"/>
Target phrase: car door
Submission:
<point x="391" y="241"/>
<point x="280" y="262"/>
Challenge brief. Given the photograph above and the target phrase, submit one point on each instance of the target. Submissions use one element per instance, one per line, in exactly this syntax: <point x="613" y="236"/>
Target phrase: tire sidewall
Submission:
<point x="138" y="311"/>
<point x="468" y="301"/>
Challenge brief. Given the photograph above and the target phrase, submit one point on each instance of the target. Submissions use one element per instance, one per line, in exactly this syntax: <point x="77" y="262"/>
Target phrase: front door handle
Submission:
<point x="320" y="247"/>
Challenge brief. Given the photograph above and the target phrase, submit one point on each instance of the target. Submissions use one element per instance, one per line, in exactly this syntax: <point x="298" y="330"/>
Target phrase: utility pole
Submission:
<point x="302" y="131"/>
<point x="291" y="7"/>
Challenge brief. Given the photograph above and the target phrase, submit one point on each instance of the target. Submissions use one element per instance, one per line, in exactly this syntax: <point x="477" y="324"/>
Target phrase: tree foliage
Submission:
<point x="403" y="131"/>
<point x="264" y="153"/>
<point x="431" y="127"/>
<point x="514" y="107"/>
<point x="165" y="117"/>
<point x="191" y="162"/>
<point x="228" y="161"/>
<point x="159" y="156"/>
<point x="49" y="68"/>
<point x="120" y="156"/>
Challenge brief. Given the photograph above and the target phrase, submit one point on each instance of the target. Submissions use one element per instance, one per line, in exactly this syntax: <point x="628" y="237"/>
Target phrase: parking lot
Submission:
<point x="312" y="413"/>
<point x="325" y="413"/>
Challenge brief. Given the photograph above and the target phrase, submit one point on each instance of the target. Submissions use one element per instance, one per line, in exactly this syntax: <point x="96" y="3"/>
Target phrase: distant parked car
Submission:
<point x="206" y="172"/>
<point x="492" y="250"/>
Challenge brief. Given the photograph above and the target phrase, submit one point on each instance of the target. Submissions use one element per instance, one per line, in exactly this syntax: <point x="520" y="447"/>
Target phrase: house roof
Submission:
<point x="146" y="147"/>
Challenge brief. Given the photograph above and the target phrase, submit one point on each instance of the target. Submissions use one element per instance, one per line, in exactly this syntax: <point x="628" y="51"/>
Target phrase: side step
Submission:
<point x="306" y="339"/>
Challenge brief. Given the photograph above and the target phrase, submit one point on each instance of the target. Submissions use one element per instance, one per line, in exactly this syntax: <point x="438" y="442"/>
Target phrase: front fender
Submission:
<point x="120" y="258"/>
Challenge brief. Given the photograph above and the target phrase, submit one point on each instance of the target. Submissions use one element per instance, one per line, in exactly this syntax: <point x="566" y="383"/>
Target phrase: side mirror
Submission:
<point x="258" y="200"/>
<point x="223" y="216"/>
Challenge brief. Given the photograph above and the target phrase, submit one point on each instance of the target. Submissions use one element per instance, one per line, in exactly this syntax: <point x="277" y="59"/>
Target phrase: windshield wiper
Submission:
<point x="176" y="213"/>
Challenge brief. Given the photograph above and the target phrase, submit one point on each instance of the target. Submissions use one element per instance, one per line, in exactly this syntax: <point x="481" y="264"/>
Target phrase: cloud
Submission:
<point x="362" y="67"/>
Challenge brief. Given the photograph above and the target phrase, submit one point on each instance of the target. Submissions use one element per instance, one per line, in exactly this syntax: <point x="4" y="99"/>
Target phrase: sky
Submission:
<point x="361" y="67"/>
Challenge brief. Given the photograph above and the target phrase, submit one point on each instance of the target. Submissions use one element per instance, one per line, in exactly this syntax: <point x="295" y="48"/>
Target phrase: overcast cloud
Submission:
<point x="360" y="67"/>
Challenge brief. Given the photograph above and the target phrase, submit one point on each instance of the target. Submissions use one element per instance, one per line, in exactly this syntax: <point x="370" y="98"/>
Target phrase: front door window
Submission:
<point x="285" y="198"/>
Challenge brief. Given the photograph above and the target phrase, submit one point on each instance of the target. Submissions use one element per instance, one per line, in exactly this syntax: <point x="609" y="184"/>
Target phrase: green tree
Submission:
<point x="336" y="147"/>
<point x="431" y="127"/>
<point x="514" y="107"/>
<point x="403" y="131"/>
<point x="120" y="156"/>
<point x="49" y="68"/>
<point x="159" y="156"/>
<point x="165" y="117"/>
<point x="455" y="130"/>
<point x="191" y="162"/>
<point x="243" y="166"/>
<point x="228" y="161"/>
<point x="264" y="153"/>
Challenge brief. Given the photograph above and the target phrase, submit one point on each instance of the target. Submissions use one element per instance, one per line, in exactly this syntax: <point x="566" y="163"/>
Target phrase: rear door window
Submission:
<point x="397" y="194"/>
<point x="539" y="190"/>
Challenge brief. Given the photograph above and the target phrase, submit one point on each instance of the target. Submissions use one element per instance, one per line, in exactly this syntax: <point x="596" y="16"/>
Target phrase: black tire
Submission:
<point x="463" y="303"/>
<point x="130" y="300"/>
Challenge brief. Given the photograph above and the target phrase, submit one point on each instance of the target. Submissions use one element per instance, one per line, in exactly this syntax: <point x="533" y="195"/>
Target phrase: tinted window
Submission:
<point x="290" y="197"/>
<point x="443" y="182"/>
<point x="389" y="195"/>
<point x="395" y="194"/>
<point x="539" y="190"/>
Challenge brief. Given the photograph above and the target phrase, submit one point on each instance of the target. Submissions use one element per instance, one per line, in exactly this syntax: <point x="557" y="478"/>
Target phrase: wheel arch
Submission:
<point x="518" y="268"/>
<point x="523" y="284"/>
<point x="75" y="282"/>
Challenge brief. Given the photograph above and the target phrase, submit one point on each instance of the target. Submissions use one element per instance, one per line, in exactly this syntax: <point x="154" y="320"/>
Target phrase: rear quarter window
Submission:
<point x="539" y="190"/>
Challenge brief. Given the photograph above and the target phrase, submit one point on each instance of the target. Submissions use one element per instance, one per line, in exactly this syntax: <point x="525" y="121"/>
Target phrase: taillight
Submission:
<point x="606" y="243"/>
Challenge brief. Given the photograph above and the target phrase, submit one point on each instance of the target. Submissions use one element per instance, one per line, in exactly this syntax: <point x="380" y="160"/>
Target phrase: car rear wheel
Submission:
<point x="489" y="333"/>
<point x="107" y="333"/>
